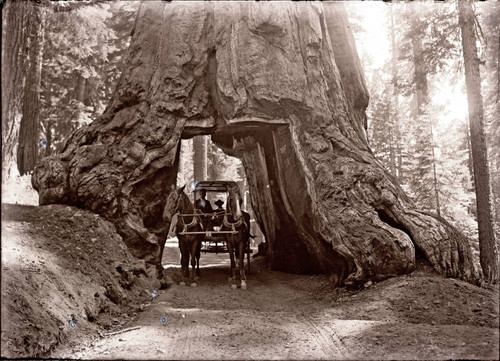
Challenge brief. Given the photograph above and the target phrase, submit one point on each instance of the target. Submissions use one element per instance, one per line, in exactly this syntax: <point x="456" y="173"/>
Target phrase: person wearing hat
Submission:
<point x="219" y="203"/>
<point x="219" y="212"/>
<point x="202" y="205"/>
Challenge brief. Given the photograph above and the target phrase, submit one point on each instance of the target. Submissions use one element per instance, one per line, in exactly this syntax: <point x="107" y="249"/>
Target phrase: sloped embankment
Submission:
<point x="57" y="262"/>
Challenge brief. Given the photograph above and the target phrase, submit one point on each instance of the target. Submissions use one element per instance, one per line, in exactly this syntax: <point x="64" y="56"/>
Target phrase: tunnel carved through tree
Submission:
<point x="280" y="86"/>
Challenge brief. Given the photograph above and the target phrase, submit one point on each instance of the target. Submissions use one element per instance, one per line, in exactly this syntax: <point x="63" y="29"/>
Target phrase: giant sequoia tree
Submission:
<point x="280" y="86"/>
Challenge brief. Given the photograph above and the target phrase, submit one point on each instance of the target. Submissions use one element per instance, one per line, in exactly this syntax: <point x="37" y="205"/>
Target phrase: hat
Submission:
<point x="219" y="202"/>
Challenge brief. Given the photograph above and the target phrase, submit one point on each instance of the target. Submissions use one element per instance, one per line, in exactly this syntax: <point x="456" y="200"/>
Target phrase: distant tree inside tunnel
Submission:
<point x="280" y="86"/>
<point x="200" y="157"/>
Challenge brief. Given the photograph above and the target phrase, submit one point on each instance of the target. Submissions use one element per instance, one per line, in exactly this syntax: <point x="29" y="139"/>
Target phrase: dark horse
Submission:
<point x="190" y="245"/>
<point x="235" y="220"/>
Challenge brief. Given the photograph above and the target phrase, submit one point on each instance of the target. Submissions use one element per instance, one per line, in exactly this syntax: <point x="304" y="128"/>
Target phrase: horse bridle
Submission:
<point x="193" y="222"/>
<point x="178" y="201"/>
<point x="234" y="225"/>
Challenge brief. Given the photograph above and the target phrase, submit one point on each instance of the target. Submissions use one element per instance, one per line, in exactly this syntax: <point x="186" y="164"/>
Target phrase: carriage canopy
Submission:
<point x="214" y="186"/>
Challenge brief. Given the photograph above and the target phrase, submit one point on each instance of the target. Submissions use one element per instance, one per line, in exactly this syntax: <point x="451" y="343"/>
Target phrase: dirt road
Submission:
<point x="54" y="263"/>
<point x="283" y="316"/>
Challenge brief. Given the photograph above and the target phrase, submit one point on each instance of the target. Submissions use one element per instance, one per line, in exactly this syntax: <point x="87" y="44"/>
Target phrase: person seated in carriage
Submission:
<point x="202" y="205"/>
<point x="219" y="213"/>
<point x="219" y="203"/>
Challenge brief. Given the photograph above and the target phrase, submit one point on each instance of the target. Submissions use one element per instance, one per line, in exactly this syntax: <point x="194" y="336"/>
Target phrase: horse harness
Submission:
<point x="193" y="222"/>
<point x="234" y="225"/>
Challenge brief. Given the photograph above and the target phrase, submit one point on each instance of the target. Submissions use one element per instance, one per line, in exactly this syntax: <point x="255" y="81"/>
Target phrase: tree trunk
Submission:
<point x="392" y="142"/>
<point x="80" y="87"/>
<point x="27" y="151"/>
<point x="470" y="165"/>
<point x="487" y="243"/>
<point x="48" y="138"/>
<point x="420" y="71"/>
<point x="395" y="96"/>
<point x="422" y="99"/>
<point x="16" y="17"/>
<point x="420" y="75"/>
<point x="498" y="71"/>
<point x="280" y="86"/>
<point x="200" y="157"/>
<point x="434" y="173"/>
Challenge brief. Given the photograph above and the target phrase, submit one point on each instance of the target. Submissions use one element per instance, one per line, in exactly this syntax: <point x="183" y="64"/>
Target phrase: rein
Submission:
<point x="193" y="222"/>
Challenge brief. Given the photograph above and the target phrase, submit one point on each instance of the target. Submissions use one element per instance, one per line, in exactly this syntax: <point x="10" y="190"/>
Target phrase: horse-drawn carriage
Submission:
<point x="195" y="227"/>
<point x="214" y="240"/>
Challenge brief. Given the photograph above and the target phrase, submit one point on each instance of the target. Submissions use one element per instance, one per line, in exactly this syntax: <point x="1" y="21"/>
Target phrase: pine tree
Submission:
<point x="455" y="182"/>
<point x="490" y="21"/>
<point x="82" y="62"/>
<point x="424" y="186"/>
<point x="432" y="162"/>
<point x="487" y="242"/>
<point x="395" y="97"/>
<point x="185" y="172"/>
<point x="200" y="161"/>
<point x="381" y="128"/>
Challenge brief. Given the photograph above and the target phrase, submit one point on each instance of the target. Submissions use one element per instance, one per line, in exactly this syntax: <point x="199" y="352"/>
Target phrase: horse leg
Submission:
<point x="198" y="252"/>
<point x="241" y="260"/>
<point x="230" y="248"/>
<point x="194" y="254"/>
<point x="184" y="262"/>
<point x="198" y="266"/>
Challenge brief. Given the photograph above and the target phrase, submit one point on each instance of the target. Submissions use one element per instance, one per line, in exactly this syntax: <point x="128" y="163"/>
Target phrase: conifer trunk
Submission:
<point x="487" y="243"/>
<point x="434" y="173"/>
<point x="80" y="86"/>
<point x="422" y="100"/>
<point x="395" y="101"/>
<point x="200" y="155"/>
<point x="20" y="19"/>
<point x="27" y="151"/>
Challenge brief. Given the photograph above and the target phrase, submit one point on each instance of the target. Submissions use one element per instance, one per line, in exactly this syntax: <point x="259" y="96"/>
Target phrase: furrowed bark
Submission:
<point x="487" y="243"/>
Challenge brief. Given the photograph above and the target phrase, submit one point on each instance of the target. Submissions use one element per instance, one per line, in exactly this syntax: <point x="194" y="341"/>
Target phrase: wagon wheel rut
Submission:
<point x="280" y="316"/>
<point x="325" y="336"/>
